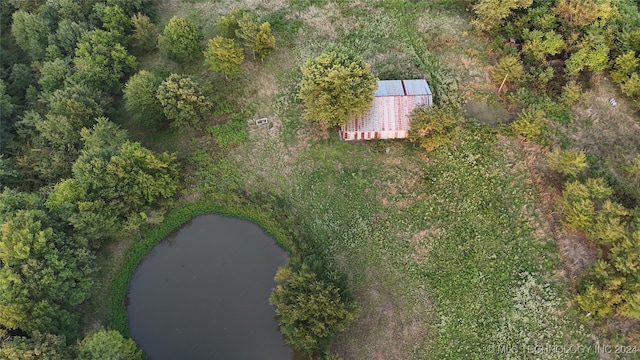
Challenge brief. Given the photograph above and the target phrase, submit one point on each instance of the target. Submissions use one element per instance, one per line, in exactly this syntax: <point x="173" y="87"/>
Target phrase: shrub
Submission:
<point x="571" y="93"/>
<point x="530" y="123"/>
<point x="433" y="127"/>
<point x="509" y="68"/>
<point x="567" y="163"/>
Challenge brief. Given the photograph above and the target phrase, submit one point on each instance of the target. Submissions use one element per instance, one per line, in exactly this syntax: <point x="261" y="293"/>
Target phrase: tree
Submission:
<point x="228" y="25"/>
<point x="336" y="88"/>
<point x="30" y="32"/>
<point x="433" y="127"/>
<point x="180" y="40"/>
<point x="141" y="101"/>
<point x="6" y="111"/>
<point x="248" y="31"/>
<point x="45" y="274"/>
<point x="567" y="163"/>
<point x="130" y="7"/>
<point x="145" y="33"/>
<point x="108" y="345"/>
<point x="508" y="70"/>
<point x="542" y="44"/>
<point x="38" y="346"/>
<point x="491" y="13"/>
<point x="225" y="56"/>
<point x="53" y="74"/>
<point x="136" y="177"/>
<point x="67" y="36"/>
<point x="183" y="101"/>
<point x="310" y="310"/>
<point x="115" y="20"/>
<point x="113" y="180"/>
<point x="20" y="79"/>
<point x="264" y="42"/>
<point x="530" y="123"/>
<point x="101" y="61"/>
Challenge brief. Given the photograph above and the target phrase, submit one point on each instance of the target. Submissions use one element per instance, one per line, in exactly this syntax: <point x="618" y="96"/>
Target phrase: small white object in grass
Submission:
<point x="612" y="102"/>
<point x="388" y="149"/>
<point x="262" y="121"/>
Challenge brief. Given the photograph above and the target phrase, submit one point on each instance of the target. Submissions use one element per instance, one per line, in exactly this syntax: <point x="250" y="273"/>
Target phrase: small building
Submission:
<point x="388" y="117"/>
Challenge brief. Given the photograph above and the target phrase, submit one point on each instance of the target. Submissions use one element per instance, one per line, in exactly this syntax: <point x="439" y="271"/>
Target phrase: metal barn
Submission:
<point x="388" y="117"/>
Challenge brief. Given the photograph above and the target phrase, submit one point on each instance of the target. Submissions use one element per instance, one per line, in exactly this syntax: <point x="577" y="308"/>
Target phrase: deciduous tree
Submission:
<point x="38" y="346"/>
<point x="335" y="88"/>
<point x="101" y="61"/>
<point x="228" y="25"/>
<point x="145" y="33"/>
<point x="30" y="31"/>
<point x="108" y="345"/>
<point x="141" y="101"/>
<point x="310" y="310"/>
<point x="183" y="101"/>
<point x="44" y="275"/>
<point x="224" y="55"/>
<point x="180" y="40"/>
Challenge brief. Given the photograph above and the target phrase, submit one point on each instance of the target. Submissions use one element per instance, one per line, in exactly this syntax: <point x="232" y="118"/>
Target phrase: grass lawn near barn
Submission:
<point x="447" y="253"/>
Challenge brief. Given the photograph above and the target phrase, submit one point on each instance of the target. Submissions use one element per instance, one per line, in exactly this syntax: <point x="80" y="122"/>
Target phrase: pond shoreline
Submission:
<point x="154" y="234"/>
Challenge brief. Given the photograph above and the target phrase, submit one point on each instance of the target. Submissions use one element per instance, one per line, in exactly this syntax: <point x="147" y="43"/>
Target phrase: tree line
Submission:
<point x="72" y="179"/>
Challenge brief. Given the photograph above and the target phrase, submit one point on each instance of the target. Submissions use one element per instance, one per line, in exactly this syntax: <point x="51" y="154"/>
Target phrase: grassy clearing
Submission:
<point x="446" y="253"/>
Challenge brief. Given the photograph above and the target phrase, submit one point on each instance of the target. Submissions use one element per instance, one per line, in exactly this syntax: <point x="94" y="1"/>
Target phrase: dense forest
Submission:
<point x="71" y="177"/>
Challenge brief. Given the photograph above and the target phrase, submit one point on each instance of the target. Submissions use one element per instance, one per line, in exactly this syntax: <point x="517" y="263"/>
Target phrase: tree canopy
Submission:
<point x="335" y="88"/>
<point x="141" y="100"/>
<point x="224" y="55"/>
<point x="183" y="101"/>
<point x="310" y="310"/>
<point x="180" y="40"/>
<point x="108" y="345"/>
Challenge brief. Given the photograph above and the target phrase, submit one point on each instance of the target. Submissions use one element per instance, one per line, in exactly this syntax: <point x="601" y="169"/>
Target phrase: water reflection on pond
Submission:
<point x="203" y="293"/>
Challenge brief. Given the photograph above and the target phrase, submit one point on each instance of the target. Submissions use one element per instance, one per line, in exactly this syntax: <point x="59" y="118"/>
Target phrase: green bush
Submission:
<point x="567" y="163"/>
<point x="433" y="127"/>
<point x="531" y="124"/>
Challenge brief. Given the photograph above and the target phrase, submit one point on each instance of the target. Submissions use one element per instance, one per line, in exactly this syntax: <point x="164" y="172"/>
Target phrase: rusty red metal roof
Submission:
<point x="388" y="117"/>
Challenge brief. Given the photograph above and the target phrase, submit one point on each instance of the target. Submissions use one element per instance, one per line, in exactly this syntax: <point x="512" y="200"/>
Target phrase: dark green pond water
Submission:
<point x="203" y="294"/>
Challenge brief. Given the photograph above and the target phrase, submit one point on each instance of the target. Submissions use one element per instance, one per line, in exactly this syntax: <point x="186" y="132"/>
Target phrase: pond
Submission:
<point x="203" y="293"/>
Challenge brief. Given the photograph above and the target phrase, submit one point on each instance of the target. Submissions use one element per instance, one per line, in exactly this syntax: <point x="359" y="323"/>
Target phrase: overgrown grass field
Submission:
<point x="446" y="252"/>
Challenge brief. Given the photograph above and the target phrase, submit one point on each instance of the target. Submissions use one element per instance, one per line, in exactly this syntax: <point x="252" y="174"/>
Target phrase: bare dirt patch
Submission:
<point x="611" y="132"/>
